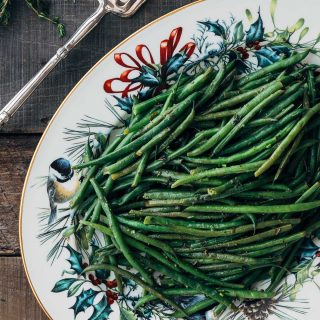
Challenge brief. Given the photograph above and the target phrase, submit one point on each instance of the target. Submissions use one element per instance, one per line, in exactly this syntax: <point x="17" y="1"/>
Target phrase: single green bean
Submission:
<point x="277" y="66"/>
<point x="218" y="172"/>
<point x="262" y="209"/>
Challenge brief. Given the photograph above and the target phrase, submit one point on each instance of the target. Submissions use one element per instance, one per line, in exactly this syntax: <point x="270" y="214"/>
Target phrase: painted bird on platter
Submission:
<point x="62" y="184"/>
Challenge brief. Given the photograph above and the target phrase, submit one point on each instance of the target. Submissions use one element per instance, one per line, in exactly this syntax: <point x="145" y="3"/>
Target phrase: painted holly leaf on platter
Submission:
<point x="74" y="288"/>
<point x="83" y="301"/>
<point x="215" y="27"/>
<point x="266" y="57"/>
<point x="281" y="49"/>
<point x="256" y="31"/>
<point x="238" y="33"/>
<point x="63" y="285"/>
<point x="175" y="63"/>
<point x="148" y="77"/>
<point x="101" y="310"/>
<point x="75" y="260"/>
<point x="125" y="104"/>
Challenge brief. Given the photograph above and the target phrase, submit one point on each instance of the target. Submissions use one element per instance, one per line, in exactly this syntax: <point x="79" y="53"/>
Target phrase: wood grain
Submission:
<point x="16" y="298"/>
<point x="15" y="154"/>
<point x="29" y="42"/>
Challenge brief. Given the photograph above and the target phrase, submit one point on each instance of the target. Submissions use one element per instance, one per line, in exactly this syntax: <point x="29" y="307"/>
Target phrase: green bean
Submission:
<point x="276" y="187"/>
<point x="141" y="168"/>
<point x="132" y="195"/>
<point x="277" y="66"/>
<point x="217" y="115"/>
<point x="192" y="224"/>
<point x="233" y="258"/>
<point x="149" y="103"/>
<point x="195" y="308"/>
<point x="124" y="172"/>
<point x="311" y="87"/>
<point x="248" y="294"/>
<point x="127" y="207"/>
<point x="161" y="209"/>
<point x="223" y="132"/>
<point x="236" y="181"/>
<point x="178" y="131"/>
<point x="88" y="213"/>
<point x="272" y="195"/>
<point x="95" y="217"/>
<point x="196" y="84"/>
<point x="121" y="164"/>
<point x="170" y="100"/>
<point x="285" y="111"/>
<point x="172" y="236"/>
<point x="251" y="239"/>
<point x="295" y="92"/>
<point x="261" y="122"/>
<point x="118" y="234"/>
<point x="306" y="101"/>
<point x="137" y="280"/>
<point x="79" y="195"/>
<point x="286" y="142"/>
<point x="287" y="157"/>
<point x="266" y="251"/>
<point x="167" y="194"/>
<point x="234" y="101"/>
<point x="220" y="266"/>
<point x="173" y="214"/>
<point x="306" y="195"/>
<point x="143" y="122"/>
<point x="183" y="229"/>
<point x="270" y="243"/>
<point x="214" y="85"/>
<point x="153" y="142"/>
<point x="218" y="172"/>
<point x="255" y="83"/>
<point x="226" y="273"/>
<point x="237" y="190"/>
<point x="287" y="208"/>
<point x="141" y="226"/>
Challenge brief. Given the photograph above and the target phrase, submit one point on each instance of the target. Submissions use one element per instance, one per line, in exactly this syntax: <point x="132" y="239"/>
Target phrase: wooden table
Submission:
<point x="25" y="46"/>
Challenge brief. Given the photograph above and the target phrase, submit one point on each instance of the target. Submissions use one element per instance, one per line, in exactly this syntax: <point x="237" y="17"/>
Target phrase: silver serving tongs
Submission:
<point x="122" y="8"/>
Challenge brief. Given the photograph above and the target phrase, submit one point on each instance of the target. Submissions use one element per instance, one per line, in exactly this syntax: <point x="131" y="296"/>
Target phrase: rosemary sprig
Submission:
<point x="39" y="7"/>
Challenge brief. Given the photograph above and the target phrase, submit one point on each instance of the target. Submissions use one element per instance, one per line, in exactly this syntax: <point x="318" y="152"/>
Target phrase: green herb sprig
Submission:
<point x="39" y="7"/>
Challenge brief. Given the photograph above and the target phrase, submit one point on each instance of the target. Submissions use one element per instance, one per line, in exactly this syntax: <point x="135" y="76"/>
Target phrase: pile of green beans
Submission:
<point x="214" y="184"/>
